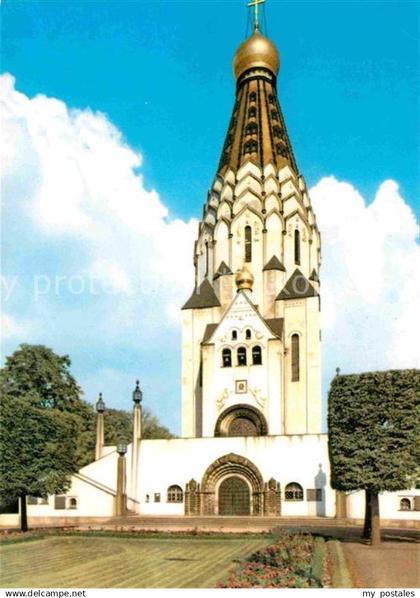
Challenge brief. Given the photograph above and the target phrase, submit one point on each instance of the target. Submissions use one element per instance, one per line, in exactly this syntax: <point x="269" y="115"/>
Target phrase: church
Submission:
<point x="251" y="439"/>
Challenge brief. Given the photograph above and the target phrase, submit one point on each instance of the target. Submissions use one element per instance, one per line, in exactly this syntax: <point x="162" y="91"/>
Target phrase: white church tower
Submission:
<point x="251" y="328"/>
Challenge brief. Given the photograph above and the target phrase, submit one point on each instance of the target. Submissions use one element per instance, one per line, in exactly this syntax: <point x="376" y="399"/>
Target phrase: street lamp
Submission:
<point x="100" y="405"/>
<point x="137" y="393"/>
<point x="121" y="448"/>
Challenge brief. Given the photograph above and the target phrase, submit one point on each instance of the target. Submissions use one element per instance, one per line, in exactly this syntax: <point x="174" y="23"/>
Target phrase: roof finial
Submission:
<point x="255" y="3"/>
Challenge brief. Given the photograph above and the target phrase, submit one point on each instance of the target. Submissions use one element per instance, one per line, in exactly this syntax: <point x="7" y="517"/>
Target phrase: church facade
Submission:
<point x="251" y="348"/>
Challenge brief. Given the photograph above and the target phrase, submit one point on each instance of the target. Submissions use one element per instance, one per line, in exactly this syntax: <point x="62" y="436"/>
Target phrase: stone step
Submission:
<point x="190" y="522"/>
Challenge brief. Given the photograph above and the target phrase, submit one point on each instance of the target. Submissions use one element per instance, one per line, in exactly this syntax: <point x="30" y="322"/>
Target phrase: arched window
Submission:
<point x="251" y="128"/>
<point x="274" y="115"/>
<point x="226" y="358"/>
<point x="207" y="258"/>
<point x="281" y="150"/>
<point x="252" y="96"/>
<point x="293" y="491"/>
<point x="252" y="112"/>
<point x="175" y="494"/>
<point x="241" y="353"/>
<point x="234" y="335"/>
<point x="405" y="504"/>
<point x="297" y="247"/>
<point x="250" y="146"/>
<point x="271" y="99"/>
<point x="277" y="132"/>
<point x="295" y="358"/>
<point x="248" y="244"/>
<point x="256" y="355"/>
<point x="248" y="333"/>
<point x="73" y="503"/>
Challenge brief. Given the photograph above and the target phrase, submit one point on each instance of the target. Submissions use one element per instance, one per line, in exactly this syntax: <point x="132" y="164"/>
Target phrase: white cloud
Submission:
<point x="72" y="184"/>
<point x="82" y="183"/>
<point x="370" y="277"/>
<point x="12" y="329"/>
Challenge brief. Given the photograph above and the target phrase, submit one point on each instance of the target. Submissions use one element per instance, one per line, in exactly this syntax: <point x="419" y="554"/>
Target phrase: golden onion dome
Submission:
<point x="256" y="51"/>
<point x="244" y="279"/>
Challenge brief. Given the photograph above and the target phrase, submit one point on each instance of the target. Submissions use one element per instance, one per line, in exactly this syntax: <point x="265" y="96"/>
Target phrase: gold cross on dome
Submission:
<point x="255" y="3"/>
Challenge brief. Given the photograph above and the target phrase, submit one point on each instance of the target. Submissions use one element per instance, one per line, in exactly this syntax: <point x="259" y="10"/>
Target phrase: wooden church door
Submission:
<point x="234" y="497"/>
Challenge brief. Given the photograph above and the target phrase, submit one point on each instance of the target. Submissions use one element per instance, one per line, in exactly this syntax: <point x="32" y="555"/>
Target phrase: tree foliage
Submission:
<point x="118" y="427"/>
<point x="42" y="379"/>
<point x="373" y="430"/>
<point x="373" y="436"/>
<point x="38" y="449"/>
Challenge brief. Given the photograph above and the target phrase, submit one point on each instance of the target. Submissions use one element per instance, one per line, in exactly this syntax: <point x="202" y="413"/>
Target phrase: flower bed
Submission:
<point x="292" y="561"/>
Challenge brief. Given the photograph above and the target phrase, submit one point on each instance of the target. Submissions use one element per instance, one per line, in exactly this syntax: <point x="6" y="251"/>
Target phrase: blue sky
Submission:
<point x="161" y="73"/>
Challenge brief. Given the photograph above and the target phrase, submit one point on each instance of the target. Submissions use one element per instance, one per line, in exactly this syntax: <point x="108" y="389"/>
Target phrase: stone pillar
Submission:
<point x="137" y="398"/>
<point x="340" y="505"/>
<point x="272" y="498"/>
<point x="121" y="498"/>
<point x="100" y="431"/>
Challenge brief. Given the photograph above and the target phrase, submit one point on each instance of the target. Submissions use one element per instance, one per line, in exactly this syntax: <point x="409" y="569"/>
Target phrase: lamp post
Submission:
<point x="137" y="394"/>
<point x="100" y="431"/>
<point x="121" y="498"/>
<point x="137" y="399"/>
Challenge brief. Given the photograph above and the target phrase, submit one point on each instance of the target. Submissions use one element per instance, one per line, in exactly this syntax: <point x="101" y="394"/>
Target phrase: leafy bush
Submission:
<point x="287" y="563"/>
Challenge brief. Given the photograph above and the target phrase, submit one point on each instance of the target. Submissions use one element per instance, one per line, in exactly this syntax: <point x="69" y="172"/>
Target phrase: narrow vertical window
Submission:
<point x="256" y="355"/>
<point x="247" y="334"/>
<point x="248" y="244"/>
<point x="226" y="358"/>
<point x="297" y="247"/>
<point x="295" y="357"/>
<point x="207" y="258"/>
<point x="241" y="354"/>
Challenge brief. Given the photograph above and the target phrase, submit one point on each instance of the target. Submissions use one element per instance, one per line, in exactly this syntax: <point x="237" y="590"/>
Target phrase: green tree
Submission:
<point x="152" y="428"/>
<point x="41" y="393"/>
<point x="42" y="378"/>
<point x="38" y="451"/>
<point x="373" y="436"/>
<point x="118" y="428"/>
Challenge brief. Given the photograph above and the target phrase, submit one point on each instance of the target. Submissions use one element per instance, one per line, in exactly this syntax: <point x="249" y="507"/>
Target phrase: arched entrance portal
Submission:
<point x="234" y="497"/>
<point x="232" y="485"/>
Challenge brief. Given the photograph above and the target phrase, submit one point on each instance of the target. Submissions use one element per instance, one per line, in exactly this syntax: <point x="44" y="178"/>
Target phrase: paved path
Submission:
<point x="390" y="565"/>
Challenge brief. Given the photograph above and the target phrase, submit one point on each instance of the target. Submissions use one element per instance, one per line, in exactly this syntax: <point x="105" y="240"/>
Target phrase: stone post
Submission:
<point x="100" y="431"/>
<point x="137" y="398"/>
<point x="121" y="498"/>
<point x="340" y="505"/>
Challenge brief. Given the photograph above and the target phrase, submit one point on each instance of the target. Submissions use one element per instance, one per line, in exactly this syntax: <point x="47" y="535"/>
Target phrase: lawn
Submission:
<point x="131" y="562"/>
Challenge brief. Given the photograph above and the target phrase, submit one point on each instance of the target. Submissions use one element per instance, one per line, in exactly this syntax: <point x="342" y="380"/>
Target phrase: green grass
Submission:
<point x="99" y="562"/>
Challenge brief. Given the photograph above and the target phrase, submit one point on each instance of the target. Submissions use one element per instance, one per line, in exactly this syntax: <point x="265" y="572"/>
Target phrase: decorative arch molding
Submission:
<point x="224" y="211"/>
<point x="248" y="198"/>
<point x="224" y="467"/>
<point x="272" y="202"/>
<point x="242" y="410"/>
<point x="270" y="217"/>
<point x="302" y="217"/>
<point x="220" y="223"/>
<point x="245" y="209"/>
